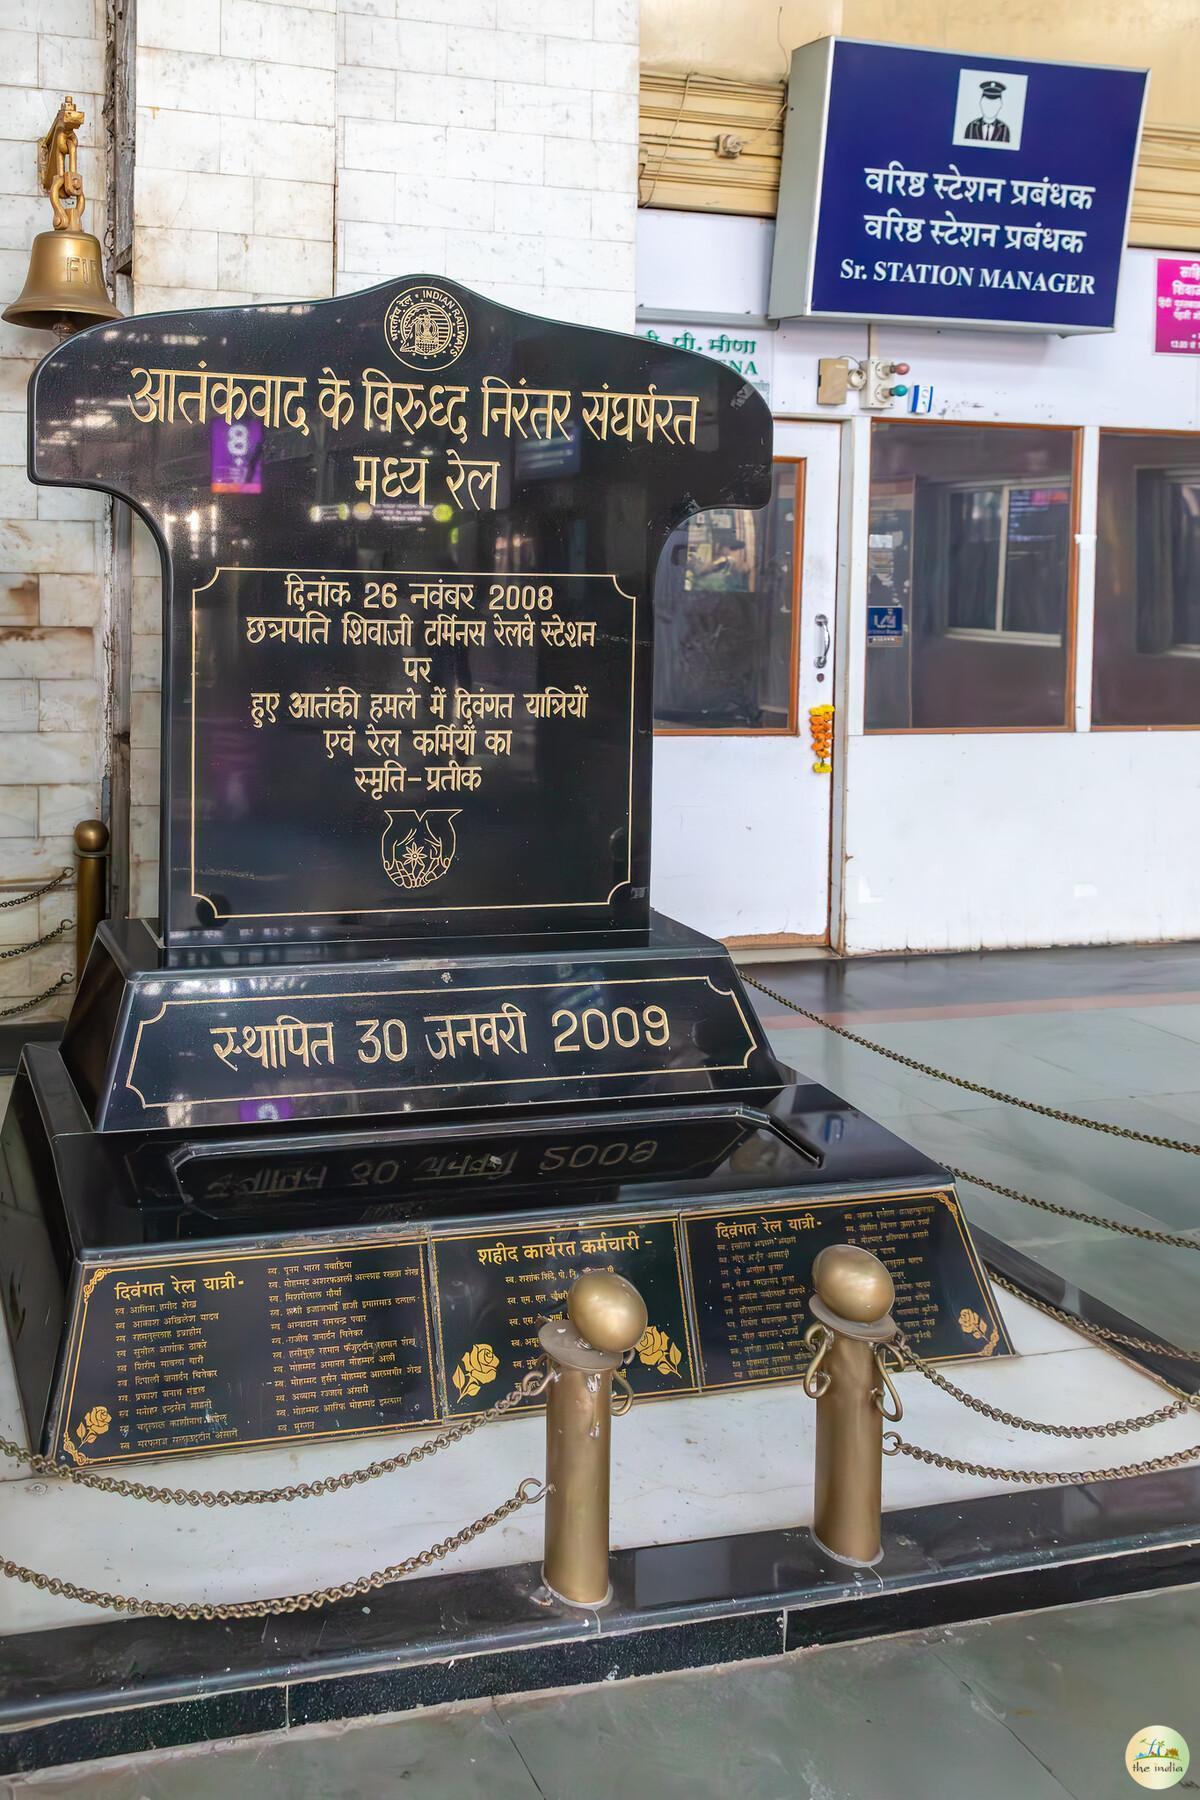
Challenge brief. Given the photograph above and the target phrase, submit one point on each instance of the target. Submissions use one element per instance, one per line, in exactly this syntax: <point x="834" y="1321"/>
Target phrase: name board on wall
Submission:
<point x="952" y="189"/>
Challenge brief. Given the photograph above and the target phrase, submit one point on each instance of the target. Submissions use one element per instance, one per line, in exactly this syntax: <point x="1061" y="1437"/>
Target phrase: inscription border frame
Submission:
<point x="220" y="918"/>
<point x="426" y="1087"/>
<point x="953" y="1206"/>
<point x="91" y="1274"/>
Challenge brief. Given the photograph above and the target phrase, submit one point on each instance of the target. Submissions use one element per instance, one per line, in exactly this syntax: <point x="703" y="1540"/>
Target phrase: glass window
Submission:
<point x="970" y="534"/>
<point x="1146" y="667"/>
<point x="724" y="616"/>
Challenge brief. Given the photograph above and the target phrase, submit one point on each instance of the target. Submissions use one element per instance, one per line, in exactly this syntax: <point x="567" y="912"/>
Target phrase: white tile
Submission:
<point x="174" y="257"/>
<point x="589" y="262"/>
<point x="499" y="155"/>
<point x="552" y="111"/>
<point x="61" y="807"/>
<point x="177" y="78"/>
<point x="68" y="705"/>
<point x="248" y="146"/>
<point x="288" y="91"/>
<point x="445" y="100"/>
<point x="304" y="208"/>
<point x="18" y="56"/>
<point x="481" y="257"/>
<point x="176" y="140"/>
<point x="71" y="600"/>
<point x="73" y="64"/>
<point x="370" y="144"/>
<point x="592" y="66"/>
<point x="497" y="55"/>
<point x="19" y="600"/>
<point x="270" y="33"/>
<point x="61" y="654"/>
<point x="18" y="702"/>
<point x="385" y="44"/>
<point x="180" y="25"/>
<point x="615" y="21"/>
<point x="366" y="196"/>
<point x="300" y="267"/>
<point x="565" y="18"/>
<point x="366" y="93"/>
<point x="458" y="205"/>
<point x="392" y="249"/>
<point x="18" y="813"/>
<point x="552" y="212"/>
<point x="18" y="496"/>
<point x="53" y="545"/>
<point x="605" y="168"/>
<point x="615" y="216"/>
<point x="165" y="198"/>
<point x="70" y="503"/>
<point x="614" y="119"/>
<point x="49" y="756"/>
<point x="21" y="215"/>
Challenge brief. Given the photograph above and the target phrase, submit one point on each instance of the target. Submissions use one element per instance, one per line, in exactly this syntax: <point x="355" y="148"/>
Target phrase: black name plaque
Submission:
<point x="751" y="1277"/>
<point x="494" y="1288"/>
<point x="246" y="1348"/>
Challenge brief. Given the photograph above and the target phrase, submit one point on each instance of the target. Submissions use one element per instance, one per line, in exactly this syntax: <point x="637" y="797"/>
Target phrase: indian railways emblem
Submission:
<point x="426" y="327"/>
<point x="418" y="847"/>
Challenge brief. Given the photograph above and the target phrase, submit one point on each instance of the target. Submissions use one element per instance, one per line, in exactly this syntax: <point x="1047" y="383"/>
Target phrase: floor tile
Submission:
<point x="1075" y="1683"/>
<point x="833" y="1725"/>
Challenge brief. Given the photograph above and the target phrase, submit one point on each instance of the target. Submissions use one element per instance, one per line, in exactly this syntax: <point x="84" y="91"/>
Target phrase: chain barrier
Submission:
<point x="528" y="1388"/>
<point x="1113" y="1428"/>
<point x="24" y="1006"/>
<point x="528" y="1493"/>
<point x="1103" y="1334"/>
<point x="895" y="1445"/>
<point x="35" y="943"/>
<point x="975" y="1087"/>
<point x="1172" y="1239"/>
<point x="37" y="892"/>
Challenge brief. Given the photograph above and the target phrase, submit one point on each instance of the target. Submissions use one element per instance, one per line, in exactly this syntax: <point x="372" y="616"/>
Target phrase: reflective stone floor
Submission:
<point x="1113" y="1033"/>
<point x="1031" y="1707"/>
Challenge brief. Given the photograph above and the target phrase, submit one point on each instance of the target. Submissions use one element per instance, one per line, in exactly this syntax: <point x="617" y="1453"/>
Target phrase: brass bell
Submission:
<point x="64" y="289"/>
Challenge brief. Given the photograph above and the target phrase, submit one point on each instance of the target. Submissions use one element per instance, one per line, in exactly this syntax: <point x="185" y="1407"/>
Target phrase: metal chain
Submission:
<point x="24" y="1006"/>
<point x="1102" y="1333"/>
<point x="528" y="1493"/>
<point x="1114" y="1428"/>
<point x="527" y="1388"/>
<point x="1173" y="1240"/>
<point x="975" y="1087"/>
<point x="36" y="893"/>
<point x="37" y="943"/>
<point x="895" y="1445"/>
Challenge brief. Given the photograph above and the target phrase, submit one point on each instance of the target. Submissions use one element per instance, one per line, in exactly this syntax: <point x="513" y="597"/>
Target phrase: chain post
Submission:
<point x="91" y="886"/>
<point x="605" y="1318"/>
<point x="847" y="1377"/>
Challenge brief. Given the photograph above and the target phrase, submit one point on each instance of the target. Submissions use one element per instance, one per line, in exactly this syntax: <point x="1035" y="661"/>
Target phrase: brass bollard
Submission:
<point x="847" y="1377"/>
<point x="605" y="1318"/>
<point x="91" y="886"/>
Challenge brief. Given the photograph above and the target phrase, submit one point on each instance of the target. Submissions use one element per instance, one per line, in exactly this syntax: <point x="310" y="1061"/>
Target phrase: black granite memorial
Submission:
<point x="406" y="1048"/>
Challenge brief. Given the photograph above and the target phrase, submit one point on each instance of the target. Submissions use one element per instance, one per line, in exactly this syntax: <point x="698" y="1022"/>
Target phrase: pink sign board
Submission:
<point x="1177" y="306"/>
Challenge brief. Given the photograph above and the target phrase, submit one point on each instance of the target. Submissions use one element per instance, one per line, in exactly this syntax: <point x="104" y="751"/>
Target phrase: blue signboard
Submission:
<point x="885" y="624"/>
<point x="954" y="189"/>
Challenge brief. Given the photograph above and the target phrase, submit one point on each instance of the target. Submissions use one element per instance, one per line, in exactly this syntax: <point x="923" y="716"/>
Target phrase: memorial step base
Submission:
<point x="712" y="1498"/>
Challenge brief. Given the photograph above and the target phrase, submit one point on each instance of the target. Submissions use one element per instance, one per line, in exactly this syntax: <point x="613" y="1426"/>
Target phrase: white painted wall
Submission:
<point x="961" y="840"/>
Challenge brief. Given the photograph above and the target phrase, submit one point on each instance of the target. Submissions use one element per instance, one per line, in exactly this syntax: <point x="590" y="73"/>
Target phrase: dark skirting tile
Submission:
<point x="122" y="1730"/>
<point x="612" y="1657"/>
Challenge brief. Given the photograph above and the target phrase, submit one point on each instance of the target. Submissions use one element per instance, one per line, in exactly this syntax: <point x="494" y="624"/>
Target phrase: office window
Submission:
<point x="970" y="539"/>
<point x="725" y="616"/>
<point x="1146" y="662"/>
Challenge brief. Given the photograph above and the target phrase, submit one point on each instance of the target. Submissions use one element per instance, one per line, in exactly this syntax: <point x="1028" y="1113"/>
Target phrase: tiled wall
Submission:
<point x="492" y="141"/>
<point x="51" y="539"/>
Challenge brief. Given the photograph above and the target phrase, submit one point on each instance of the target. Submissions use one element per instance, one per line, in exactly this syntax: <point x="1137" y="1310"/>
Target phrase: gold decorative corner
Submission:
<point x="977" y="1327"/>
<point x="479" y="1366"/>
<point x="655" y="1349"/>
<point x="93" y="1281"/>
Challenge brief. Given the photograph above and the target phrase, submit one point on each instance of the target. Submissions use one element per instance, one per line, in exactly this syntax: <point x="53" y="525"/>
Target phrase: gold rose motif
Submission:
<point x="94" y="1423"/>
<point x="477" y="1368"/>
<point x="655" y="1349"/>
<point x="976" y="1327"/>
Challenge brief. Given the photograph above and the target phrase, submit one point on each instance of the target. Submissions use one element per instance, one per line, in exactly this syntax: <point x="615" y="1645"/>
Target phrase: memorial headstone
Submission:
<point x="405" y="981"/>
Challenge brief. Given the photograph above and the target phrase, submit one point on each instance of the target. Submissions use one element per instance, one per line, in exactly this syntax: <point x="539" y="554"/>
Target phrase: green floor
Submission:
<point x="1035" y="1707"/>
<point x="1137" y="1067"/>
